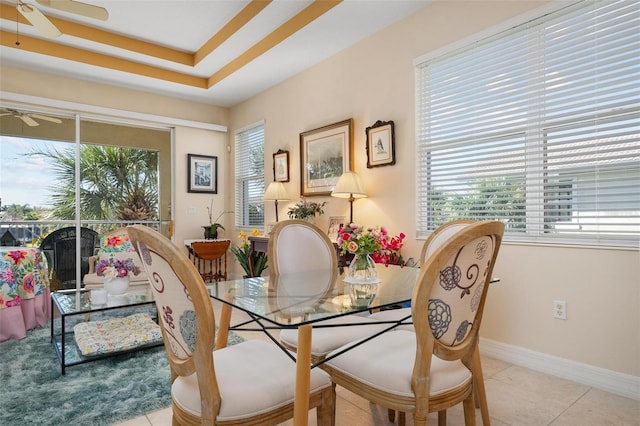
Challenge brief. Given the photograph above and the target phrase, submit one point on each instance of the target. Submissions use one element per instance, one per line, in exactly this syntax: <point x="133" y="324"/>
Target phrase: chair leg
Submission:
<point x="469" y="410"/>
<point x="402" y="418"/>
<point x="478" y="388"/>
<point x="442" y="418"/>
<point x="326" y="412"/>
<point x="391" y="414"/>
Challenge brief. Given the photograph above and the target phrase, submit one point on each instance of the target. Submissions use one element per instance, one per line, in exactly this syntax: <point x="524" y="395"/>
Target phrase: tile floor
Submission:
<point x="517" y="397"/>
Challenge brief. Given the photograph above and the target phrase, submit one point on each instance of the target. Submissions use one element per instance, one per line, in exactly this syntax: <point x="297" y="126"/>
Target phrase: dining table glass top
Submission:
<point x="290" y="300"/>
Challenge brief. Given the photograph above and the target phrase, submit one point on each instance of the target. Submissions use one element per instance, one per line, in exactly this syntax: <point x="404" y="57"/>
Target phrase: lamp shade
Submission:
<point x="349" y="185"/>
<point x="276" y="191"/>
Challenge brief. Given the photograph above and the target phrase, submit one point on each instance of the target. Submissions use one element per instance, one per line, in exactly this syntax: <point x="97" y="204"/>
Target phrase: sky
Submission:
<point x="25" y="179"/>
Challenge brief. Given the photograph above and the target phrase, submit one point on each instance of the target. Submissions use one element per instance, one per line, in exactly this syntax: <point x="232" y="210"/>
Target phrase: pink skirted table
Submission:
<point x="24" y="291"/>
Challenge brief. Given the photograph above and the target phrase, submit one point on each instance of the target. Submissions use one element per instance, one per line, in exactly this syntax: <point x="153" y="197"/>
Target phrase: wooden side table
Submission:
<point x="210" y="257"/>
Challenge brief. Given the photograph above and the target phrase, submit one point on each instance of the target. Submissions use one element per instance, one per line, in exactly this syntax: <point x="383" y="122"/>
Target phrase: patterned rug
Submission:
<point x="104" y="392"/>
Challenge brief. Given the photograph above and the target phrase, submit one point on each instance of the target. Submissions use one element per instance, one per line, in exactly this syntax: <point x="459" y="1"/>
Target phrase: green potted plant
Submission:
<point x="253" y="265"/>
<point x="306" y="210"/>
<point x="211" y="230"/>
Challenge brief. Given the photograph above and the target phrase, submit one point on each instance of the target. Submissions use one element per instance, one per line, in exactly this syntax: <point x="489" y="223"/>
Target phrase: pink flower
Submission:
<point x="352" y="246"/>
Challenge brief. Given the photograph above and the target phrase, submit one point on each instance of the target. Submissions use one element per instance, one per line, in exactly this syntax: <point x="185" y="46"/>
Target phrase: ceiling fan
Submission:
<point x="28" y="118"/>
<point x="45" y="26"/>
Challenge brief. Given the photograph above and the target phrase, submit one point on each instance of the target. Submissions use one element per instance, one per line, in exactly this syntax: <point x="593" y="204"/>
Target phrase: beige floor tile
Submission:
<point x="597" y="407"/>
<point x="552" y="388"/>
<point x="138" y="421"/>
<point x="160" y="417"/>
<point x="491" y="366"/>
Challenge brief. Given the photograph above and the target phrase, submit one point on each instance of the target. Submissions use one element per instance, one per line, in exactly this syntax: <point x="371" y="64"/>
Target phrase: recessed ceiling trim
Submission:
<point x="108" y="38"/>
<point x="44" y="47"/>
<point x="236" y="23"/>
<point x="305" y="17"/>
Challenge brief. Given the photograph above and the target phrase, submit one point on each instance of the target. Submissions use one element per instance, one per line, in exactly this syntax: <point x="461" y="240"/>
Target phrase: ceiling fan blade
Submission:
<point x="38" y="20"/>
<point x="46" y="118"/>
<point x="78" y="8"/>
<point x="30" y="121"/>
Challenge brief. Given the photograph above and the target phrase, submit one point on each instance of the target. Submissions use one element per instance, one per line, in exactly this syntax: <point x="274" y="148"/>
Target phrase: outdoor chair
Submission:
<point x="60" y="249"/>
<point x="251" y="383"/>
<point x="431" y="369"/>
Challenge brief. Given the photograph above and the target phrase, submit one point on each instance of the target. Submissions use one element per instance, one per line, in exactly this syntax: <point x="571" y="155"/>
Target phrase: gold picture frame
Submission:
<point x="325" y="153"/>
<point x="381" y="145"/>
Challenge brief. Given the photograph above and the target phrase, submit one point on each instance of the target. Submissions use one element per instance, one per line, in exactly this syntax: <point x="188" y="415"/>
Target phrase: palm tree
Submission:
<point x="115" y="183"/>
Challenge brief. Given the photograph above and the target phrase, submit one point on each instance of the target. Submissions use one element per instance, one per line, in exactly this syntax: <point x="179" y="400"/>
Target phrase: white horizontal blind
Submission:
<point x="249" y="166"/>
<point x="538" y="126"/>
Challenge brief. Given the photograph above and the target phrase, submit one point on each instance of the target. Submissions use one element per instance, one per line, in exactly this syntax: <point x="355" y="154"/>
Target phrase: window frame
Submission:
<point x="535" y="213"/>
<point x="244" y="178"/>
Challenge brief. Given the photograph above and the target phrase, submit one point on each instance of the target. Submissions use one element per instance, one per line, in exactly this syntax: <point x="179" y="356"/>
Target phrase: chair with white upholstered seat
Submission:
<point x="296" y="247"/>
<point x="251" y="383"/>
<point x="438" y="237"/>
<point x="430" y="369"/>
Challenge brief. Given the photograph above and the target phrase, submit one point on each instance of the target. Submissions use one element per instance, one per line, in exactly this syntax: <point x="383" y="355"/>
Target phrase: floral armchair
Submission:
<point x="116" y="245"/>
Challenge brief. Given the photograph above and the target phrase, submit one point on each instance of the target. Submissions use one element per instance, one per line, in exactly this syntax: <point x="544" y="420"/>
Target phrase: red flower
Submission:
<point x="17" y="256"/>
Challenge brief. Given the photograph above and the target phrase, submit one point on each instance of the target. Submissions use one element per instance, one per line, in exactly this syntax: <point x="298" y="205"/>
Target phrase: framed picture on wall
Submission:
<point x="281" y="166"/>
<point x="325" y="154"/>
<point x="381" y="148"/>
<point x="335" y="223"/>
<point x="202" y="173"/>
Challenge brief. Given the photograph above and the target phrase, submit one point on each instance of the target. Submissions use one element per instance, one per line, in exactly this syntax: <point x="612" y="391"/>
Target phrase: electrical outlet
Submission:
<point x="560" y="309"/>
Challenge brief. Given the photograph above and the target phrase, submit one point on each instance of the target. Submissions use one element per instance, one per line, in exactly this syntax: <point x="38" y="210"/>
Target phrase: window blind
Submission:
<point x="537" y="126"/>
<point x="249" y="176"/>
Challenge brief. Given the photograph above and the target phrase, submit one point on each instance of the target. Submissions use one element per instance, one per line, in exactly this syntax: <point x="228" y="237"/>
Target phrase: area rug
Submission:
<point x="104" y="392"/>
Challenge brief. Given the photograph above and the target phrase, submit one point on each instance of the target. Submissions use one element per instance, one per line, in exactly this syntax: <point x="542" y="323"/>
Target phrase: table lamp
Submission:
<point x="275" y="191"/>
<point x="349" y="186"/>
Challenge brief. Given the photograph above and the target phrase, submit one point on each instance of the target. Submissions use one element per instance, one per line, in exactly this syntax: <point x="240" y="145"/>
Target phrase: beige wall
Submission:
<point x="374" y="80"/>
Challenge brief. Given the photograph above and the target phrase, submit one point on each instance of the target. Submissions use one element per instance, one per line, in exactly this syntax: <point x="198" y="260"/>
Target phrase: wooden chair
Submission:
<point x="296" y="246"/>
<point x="210" y="258"/>
<point x="430" y="369"/>
<point x="437" y="238"/>
<point x="251" y="383"/>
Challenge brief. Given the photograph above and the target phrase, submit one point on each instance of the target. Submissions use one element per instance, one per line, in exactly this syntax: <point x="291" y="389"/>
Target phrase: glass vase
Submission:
<point x="362" y="269"/>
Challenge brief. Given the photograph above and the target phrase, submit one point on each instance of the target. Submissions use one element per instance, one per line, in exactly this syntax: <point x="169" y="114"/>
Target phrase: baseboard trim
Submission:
<point x="610" y="381"/>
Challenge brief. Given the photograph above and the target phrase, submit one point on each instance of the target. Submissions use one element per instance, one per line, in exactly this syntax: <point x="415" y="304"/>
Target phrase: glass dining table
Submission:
<point x="302" y="301"/>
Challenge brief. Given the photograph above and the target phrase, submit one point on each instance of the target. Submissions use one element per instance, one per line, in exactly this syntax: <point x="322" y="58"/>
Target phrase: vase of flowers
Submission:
<point x="306" y="210"/>
<point x="361" y="243"/>
<point x="252" y="263"/>
<point x="116" y="273"/>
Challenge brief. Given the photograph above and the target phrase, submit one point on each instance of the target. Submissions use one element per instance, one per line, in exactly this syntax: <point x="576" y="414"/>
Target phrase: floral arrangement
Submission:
<point x="304" y="209"/>
<point x="357" y="240"/>
<point x="389" y="252"/>
<point x="252" y="265"/>
<point x="375" y="241"/>
<point x="116" y="268"/>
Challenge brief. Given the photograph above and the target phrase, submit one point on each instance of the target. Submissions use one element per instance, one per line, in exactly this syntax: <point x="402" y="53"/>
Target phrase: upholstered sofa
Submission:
<point x="116" y="244"/>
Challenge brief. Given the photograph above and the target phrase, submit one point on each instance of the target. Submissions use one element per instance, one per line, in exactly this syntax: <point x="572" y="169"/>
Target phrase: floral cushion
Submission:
<point x="116" y="244"/>
<point x="115" y="335"/>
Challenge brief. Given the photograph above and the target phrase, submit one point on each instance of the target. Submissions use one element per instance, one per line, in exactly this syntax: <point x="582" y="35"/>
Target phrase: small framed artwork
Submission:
<point x="381" y="148"/>
<point x="335" y="223"/>
<point x="203" y="173"/>
<point x="325" y="154"/>
<point x="281" y="166"/>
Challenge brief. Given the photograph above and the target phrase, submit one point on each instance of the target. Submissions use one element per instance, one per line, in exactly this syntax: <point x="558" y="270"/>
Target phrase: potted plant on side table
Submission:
<point x="211" y="230"/>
